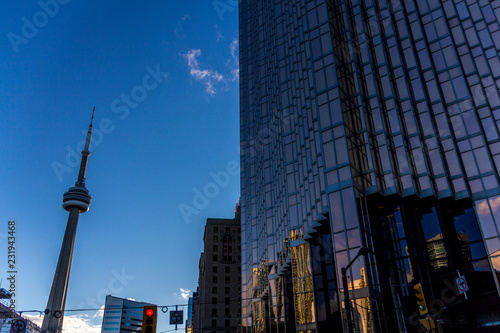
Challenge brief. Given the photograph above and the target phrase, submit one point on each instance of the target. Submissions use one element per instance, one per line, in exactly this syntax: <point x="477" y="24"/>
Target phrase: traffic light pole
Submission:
<point x="176" y="308"/>
<point x="347" y="302"/>
<point x="397" y="306"/>
<point x="459" y="276"/>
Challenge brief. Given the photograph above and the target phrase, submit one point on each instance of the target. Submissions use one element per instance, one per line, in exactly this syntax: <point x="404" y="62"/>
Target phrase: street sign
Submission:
<point x="462" y="285"/>
<point x="19" y="326"/>
<point x="175" y="317"/>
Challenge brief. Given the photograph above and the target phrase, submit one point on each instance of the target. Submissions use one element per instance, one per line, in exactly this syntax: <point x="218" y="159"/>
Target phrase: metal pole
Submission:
<point x="362" y="252"/>
<point x="459" y="276"/>
<point x="397" y="306"/>
<point x="347" y="301"/>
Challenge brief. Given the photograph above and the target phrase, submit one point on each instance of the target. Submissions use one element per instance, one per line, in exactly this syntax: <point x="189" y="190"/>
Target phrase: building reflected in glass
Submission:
<point x="370" y="123"/>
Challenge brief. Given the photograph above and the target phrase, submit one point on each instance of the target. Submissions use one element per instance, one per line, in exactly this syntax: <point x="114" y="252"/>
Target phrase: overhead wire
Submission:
<point x="449" y="274"/>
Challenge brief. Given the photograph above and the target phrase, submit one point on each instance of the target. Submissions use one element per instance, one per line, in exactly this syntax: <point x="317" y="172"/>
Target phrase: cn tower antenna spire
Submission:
<point x="76" y="201"/>
<point x="85" y="155"/>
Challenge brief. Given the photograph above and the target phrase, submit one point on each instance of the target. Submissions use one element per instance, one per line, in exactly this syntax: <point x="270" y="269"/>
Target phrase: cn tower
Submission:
<point x="75" y="201"/>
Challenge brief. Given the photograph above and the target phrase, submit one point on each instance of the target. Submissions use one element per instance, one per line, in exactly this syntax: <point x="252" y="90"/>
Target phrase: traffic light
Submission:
<point x="419" y="297"/>
<point x="149" y="314"/>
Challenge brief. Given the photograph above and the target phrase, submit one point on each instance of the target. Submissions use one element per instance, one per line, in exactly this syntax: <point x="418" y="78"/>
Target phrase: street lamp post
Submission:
<point x="347" y="302"/>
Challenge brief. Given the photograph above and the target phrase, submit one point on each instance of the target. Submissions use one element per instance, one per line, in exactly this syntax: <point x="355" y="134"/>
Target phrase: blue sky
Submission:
<point x="163" y="76"/>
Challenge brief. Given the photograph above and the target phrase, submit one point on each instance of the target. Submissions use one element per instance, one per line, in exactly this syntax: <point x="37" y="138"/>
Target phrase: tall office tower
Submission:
<point x="370" y="123"/>
<point x="75" y="201"/>
<point x="190" y="319"/>
<point x="122" y="315"/>
<point x="218" y="307"/>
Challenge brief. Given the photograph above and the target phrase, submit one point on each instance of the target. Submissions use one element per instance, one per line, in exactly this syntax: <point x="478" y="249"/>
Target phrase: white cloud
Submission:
<point x="185" y="293"/>
<point x="73" y="323"/>
<point x="234" y="49"/>
<point x="236" y="74"/>
<point x="207" y="77"/>
<point x="99" y="313"/>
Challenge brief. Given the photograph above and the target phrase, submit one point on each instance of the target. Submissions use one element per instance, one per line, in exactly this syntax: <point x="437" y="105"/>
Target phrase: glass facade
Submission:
<point x="370" y="123"/>
<point x="122" y="315"/>
<point x="190" y="317"/>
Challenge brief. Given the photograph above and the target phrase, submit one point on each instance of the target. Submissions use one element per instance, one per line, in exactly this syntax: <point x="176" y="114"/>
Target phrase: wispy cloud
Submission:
<point x="73" y="323"/>
<point x="99" y="313"/>
<point x="185" y="293"/>
<point x="234" y="49"/>
<point x="207" y="77"/>
<point x="236" y="74"/>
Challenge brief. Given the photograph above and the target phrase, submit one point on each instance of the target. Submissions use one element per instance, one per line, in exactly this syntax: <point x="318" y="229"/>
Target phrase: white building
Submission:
<point x="122" y="315"/>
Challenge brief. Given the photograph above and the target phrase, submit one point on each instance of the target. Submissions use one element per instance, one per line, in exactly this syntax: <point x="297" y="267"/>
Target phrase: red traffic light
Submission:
<point x="149" y="314"/>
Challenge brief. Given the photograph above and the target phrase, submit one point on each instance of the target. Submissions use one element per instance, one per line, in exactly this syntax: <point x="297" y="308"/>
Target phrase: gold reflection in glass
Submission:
<point x="259" y="316"/>
<point x="262" y="327"/>
<point x="496" y="263"/>
<point x="364" y="304"/>
<point x="308" y="284"/>
<point x="437" y="252"/>
<point x="306" y="270"/>
<point x="302" y="285"/>
<point x="279" y="296"/>
<point x="256" y="315"/>
<point x="494" y="204"/>
<point x="297" y="286"/>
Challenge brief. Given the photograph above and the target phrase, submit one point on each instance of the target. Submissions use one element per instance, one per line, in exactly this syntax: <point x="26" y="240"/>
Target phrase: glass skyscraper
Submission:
<point x="370" y="123"/>
<point x="122" y="315"/>
<point x="190" y="318"/>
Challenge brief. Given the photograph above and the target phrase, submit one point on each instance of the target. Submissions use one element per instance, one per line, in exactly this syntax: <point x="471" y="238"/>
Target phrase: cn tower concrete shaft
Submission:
<point x="76" y="200"/>
<point x="52" y="322"/>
